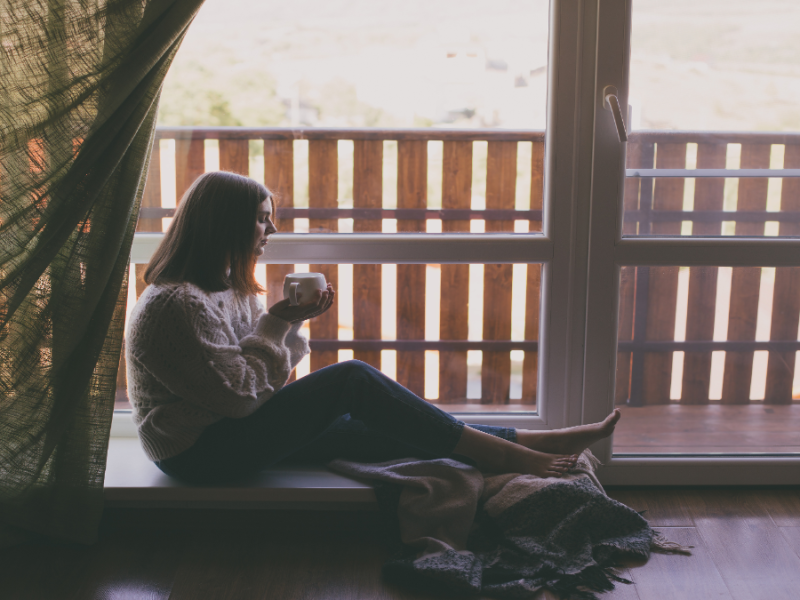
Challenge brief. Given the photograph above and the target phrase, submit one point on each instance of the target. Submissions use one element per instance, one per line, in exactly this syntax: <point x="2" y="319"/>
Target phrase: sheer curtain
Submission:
<point x="79" y="88"/>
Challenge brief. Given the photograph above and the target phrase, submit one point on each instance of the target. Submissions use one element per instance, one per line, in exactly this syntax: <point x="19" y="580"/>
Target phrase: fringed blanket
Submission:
<point x="506" y="536"/>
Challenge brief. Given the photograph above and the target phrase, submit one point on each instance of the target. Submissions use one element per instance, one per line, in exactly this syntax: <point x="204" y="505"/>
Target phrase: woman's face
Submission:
<point x="264" y="225"/>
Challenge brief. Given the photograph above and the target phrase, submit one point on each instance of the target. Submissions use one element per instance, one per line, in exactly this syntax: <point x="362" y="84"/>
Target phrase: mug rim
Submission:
<point x="305" y="275"/>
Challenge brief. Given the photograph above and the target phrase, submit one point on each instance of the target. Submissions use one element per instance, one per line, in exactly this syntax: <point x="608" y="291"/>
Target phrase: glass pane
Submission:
<point x="420" y="117"/>
<point x="713" y="86"/>
<point x="707" y="360"/>
<point x="458" y="184"/>
<point x="464" y="337"/>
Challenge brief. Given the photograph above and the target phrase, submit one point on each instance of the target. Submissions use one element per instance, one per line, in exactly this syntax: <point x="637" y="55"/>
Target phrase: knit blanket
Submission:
<point x="505" y="536"/>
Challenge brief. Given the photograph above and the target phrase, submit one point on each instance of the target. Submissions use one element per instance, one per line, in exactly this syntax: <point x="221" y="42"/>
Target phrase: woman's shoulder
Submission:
<point x="172" y="293"/>
<point x="181" y="297"/>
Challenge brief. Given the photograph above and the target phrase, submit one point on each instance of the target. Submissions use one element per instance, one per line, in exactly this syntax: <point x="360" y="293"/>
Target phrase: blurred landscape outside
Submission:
<point x="709" y="65"/>
<point x="697" y="65"/>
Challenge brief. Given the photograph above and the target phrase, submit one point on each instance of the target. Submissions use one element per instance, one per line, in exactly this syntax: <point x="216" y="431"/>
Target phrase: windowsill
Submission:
<point x="133" y="481"/>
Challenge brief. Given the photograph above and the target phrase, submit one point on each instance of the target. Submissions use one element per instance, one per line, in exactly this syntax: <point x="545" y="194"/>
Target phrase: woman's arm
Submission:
<point x="294" y="340"/>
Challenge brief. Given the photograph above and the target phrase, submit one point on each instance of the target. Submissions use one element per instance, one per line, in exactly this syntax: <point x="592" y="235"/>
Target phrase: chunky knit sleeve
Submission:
<point x="191" y="349"/>
<point x="296" y="343"/>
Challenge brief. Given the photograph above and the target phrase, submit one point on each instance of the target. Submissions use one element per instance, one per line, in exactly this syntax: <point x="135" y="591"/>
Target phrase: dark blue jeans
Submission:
<point x="348" y="410"/>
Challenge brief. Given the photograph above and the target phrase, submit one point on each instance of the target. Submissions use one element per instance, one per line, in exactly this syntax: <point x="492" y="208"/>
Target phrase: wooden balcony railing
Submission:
<point x="649" y="302"/>
<point x="653" y="206"/>
<point x="412" y="211"/>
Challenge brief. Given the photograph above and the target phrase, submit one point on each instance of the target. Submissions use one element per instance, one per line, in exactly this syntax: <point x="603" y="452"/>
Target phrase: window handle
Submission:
<point x="611" y="102"/>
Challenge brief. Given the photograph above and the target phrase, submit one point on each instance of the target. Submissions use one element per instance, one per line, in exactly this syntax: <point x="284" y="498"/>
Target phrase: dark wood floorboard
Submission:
<point x="747" y="547"/>
<point x="783" y="506"/>
<point x="677" y="576"/>
<point x="751" y="554"/>
<point x="792" y="536"/>
<point x="662" y="507"/>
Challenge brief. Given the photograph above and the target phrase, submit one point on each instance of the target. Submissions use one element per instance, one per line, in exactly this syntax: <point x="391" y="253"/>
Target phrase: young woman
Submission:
<point x="207" y="367"/>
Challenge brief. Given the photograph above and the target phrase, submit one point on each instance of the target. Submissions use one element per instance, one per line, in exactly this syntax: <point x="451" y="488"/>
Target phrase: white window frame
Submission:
<point x="608" y="251"/>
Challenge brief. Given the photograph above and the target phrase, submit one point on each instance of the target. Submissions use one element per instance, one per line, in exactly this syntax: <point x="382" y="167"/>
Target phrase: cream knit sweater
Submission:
<point x="195" y="357"/>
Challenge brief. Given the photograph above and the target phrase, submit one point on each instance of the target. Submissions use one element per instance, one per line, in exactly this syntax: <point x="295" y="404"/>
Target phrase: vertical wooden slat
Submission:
<point x="453" y="325"/>
<point x="786" y="297"/>
<point x="627" y="279"/>
<point x="234" y="156"/>
<point x="537" y="182"/>
<point x="412" y="192"/>
<point x="708" y="195"/>
<point x="501" y="181"/>
<point x="745" y="281"/>
<point x="634" y="160"/>
<point x="367" y="193"/>
<point x="323" y="188"/>
<point x="663" y="281"/>
<point x="627" y="287"/>
<point x="644" y="202"/>
<point x="279" y="179"/>
<point x="530" y="363"/>
<point x="785" y="312"/>
<point x="151" y="198"/>
<point x="190" y="163"/>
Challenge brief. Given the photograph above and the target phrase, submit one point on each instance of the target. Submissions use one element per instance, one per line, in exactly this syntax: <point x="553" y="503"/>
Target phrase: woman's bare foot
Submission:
<point x="541" y="464"/>
<point x="497" y="455"/>
<point x="572" y="440"/>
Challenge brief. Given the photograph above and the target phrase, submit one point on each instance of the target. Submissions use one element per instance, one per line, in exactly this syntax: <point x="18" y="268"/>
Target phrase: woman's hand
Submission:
<point x="321" y="302"/>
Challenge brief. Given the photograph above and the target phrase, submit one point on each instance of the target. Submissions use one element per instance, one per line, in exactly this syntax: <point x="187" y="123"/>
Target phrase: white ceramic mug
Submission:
<point x="303" y="284"/>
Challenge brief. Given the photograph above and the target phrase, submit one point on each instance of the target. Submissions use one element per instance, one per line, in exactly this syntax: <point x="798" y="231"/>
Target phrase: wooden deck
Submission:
<point x="708" y="429"/>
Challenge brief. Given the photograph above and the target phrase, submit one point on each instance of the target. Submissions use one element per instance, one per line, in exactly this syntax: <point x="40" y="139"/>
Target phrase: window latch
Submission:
<point x="611" y="102"/>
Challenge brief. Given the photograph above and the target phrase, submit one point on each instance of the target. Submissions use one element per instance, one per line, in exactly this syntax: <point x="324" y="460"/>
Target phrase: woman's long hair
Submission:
<point x="213" y="228"/>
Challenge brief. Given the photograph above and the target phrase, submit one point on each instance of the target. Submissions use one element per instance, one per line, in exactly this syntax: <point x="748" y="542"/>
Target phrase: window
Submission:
<point x="602" y="254"/>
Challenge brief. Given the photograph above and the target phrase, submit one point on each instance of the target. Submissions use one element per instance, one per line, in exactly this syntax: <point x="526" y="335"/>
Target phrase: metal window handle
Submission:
<point x="611" y="102"/>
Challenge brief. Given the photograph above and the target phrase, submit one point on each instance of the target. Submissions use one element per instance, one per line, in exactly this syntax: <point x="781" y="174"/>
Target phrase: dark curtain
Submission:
<point x="79" y="88"/>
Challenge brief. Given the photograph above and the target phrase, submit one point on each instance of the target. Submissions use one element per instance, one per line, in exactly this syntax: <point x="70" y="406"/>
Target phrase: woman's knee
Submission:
<point x="356" y="369"/>
<point x="356" y="365"/>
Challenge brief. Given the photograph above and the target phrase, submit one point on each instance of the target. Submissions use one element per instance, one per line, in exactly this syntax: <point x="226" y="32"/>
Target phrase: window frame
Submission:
<point x="610" y="250"/>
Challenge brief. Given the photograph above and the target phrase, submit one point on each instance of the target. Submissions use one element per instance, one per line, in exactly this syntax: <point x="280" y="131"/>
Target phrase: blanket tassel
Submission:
<point x="661" y="545"/>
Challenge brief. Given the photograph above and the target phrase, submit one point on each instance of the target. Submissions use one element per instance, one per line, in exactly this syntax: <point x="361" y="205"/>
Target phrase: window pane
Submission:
<point x="437" y="182"/>
<point x="461" y="336"/>
<point x="711" y="206"/>
<point x="425" y="81"/>
<point x="713" y="85"/>
<point x="707" y="359"/>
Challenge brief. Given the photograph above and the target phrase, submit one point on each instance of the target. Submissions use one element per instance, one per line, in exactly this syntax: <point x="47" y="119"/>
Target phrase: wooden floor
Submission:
<point x="747" y="546"/>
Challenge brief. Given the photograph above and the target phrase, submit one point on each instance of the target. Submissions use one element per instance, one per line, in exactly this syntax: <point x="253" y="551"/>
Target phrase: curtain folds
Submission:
<point x="79" y="88"/>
